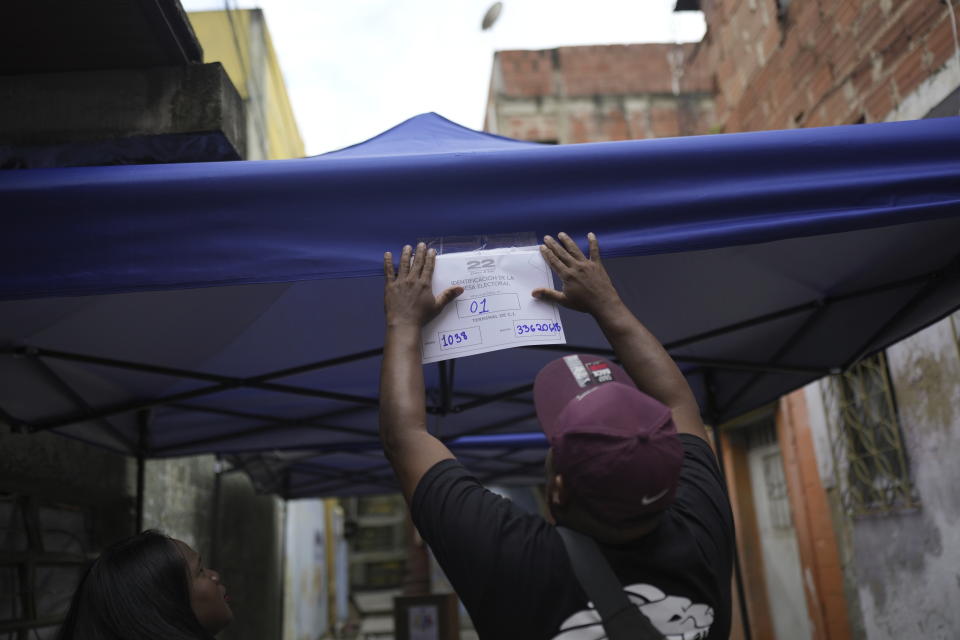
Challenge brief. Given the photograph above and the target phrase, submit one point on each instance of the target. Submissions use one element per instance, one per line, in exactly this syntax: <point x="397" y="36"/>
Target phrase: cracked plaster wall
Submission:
<point x="908" y="564"/>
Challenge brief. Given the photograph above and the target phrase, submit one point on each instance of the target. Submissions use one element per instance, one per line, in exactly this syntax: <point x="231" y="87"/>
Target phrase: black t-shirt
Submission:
<point x="511" y="570"/>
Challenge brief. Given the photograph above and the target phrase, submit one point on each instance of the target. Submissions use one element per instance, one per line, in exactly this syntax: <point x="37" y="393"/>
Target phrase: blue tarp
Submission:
<point x="763" y="260"/>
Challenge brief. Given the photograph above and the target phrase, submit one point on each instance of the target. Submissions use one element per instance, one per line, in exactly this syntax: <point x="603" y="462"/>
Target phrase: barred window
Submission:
<point x="867" y="444"/>
<point x="763" y="436"/>
<point x="777" y="496"/>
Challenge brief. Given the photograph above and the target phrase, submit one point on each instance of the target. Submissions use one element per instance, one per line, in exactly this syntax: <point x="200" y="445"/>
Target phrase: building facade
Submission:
<point x="88" y="92"/>
<point x="843" y="491"/>
<point x="240" y="41"/>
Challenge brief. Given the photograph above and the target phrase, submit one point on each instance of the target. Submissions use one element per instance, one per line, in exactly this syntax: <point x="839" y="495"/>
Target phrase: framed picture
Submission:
<point x="432" y="617"/>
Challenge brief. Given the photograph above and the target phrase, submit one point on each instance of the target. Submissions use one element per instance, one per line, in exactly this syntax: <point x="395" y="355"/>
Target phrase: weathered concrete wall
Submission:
<point x="179" y="500"/>
<point x="171" y="114"/>
<point x="908" y="565"/>
<point x="55" y="468"/>
<point x="249" y="556"/>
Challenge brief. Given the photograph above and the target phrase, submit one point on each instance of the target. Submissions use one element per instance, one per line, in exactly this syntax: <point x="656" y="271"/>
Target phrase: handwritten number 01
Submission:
<point x="479" y="307"/>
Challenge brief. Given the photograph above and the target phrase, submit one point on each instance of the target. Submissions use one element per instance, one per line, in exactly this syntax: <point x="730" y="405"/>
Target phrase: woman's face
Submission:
<point x="208" y="595"/>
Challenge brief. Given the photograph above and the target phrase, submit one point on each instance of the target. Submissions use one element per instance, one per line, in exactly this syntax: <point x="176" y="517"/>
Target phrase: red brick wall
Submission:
<point x="823" y="62"/>
<point x="599" y="93"/>
<point x="819" y="63"/>
<point x="617" y="69"/>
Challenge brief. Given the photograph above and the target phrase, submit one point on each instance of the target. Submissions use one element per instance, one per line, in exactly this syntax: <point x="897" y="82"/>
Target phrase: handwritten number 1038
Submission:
<point x="450" y="339"/>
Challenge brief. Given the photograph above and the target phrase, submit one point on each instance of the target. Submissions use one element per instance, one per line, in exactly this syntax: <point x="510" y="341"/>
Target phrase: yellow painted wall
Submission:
<point x="225" y="38"/>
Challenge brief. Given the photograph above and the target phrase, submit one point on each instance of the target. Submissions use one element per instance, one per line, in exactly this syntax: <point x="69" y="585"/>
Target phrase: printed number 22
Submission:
<point x="486" y="263"/>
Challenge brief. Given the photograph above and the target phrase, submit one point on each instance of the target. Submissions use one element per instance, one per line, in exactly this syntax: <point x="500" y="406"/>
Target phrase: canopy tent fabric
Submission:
<point x="235" y="307"/>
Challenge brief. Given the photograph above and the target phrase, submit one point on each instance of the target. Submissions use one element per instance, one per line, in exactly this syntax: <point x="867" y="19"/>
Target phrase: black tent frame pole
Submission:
<point x="800" y="308"/>
<point x="713" y="417"/>
<point x="78" y="400"/>
<point x="810" y="305"/>
<point x="306" y="422"/>
<point x="142" y="408"/>
<point x="446" y="386"/>
<point x="740" y="365"/>
<point x="934" y="282"/>
<point x="143" y="433"/>
<point x="224" y="383"/>
<point x="373" y="443"/>
<point x="784" y="348"/>
<point x="472" y="395"/>
<point x="217" y="513"/>
<point x="479" y="402"/>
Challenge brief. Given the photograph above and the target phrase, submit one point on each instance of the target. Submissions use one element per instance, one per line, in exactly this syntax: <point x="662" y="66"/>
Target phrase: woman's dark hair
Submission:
<point x="138" y="589"/>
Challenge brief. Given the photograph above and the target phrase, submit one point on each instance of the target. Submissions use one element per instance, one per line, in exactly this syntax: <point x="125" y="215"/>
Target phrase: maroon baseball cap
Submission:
<point x="616" y="447"/>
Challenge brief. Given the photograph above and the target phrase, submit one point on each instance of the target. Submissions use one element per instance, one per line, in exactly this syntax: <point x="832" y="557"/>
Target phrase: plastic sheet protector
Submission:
<point x="495" y="310"/>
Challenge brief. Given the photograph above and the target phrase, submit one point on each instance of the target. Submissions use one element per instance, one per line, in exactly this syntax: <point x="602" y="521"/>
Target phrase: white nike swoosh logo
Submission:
<point x="645" y="500"/>
<point x="581" y="396"/>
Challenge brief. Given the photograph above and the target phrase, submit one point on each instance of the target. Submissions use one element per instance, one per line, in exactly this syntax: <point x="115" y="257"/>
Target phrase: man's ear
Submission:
<point x="558" y="493"/>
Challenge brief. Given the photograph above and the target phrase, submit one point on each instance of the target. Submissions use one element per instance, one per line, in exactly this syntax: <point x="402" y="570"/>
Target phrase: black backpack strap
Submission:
<point x="621" y="619"/>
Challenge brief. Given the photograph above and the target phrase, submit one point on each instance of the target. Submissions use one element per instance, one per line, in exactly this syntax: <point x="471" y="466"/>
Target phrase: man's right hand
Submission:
<point x="586" y="285"/>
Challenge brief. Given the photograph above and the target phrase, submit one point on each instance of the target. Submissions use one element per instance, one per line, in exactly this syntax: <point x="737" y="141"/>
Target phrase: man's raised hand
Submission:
<point x="408" y="296"/>
<point x="586" y="285"/>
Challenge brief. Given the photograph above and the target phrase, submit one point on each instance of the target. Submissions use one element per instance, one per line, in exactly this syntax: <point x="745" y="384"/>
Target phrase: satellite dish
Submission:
<point x="490" y="17"/>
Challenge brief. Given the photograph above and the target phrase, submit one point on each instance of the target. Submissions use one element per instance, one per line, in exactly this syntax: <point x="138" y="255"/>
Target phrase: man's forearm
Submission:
<point x="402" y="397"/>
<point x="644" y="358"/>
<point x="409" y="303"/>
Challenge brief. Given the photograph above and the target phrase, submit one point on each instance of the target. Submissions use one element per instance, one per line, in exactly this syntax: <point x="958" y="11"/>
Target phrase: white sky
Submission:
<point x="356" y="67"/>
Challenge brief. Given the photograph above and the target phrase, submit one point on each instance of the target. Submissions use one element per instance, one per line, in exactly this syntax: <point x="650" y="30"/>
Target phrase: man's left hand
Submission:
<point x="408" y="296"/>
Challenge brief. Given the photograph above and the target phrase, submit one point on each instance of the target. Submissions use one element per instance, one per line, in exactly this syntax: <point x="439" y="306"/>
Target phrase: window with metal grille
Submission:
<point x="777" y="496"/>
<point x="867" y="443"/>
<point x="764" y="435"/>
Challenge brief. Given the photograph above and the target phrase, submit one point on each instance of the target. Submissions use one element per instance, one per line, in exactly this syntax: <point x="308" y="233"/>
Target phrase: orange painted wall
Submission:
<point x="819" y="554"/>
<point x="749" y="550"/>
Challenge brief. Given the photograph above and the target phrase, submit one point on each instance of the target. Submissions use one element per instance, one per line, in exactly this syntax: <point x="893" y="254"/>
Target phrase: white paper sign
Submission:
<point x="495" y="310"/>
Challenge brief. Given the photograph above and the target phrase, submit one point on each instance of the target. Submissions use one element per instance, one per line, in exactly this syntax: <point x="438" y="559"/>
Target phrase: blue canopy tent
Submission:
<point x="235" y="307"/>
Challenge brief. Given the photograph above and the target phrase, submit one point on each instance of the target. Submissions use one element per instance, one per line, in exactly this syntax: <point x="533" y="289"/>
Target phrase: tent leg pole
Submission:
<point x="143" y="425"/>
<point x="718" y="442"/>
<point x="446" y="389"/>
<point x="141" y="468"/>
<point x="215" y="525"/>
